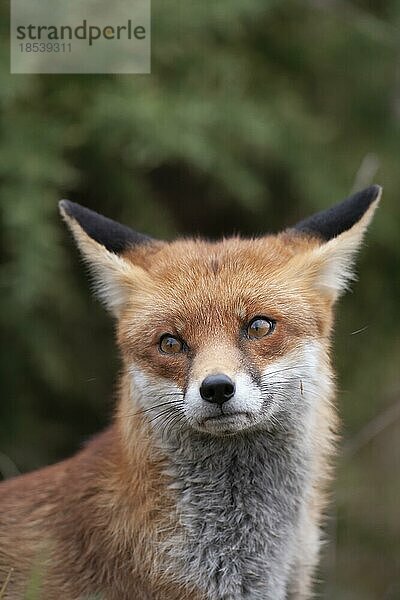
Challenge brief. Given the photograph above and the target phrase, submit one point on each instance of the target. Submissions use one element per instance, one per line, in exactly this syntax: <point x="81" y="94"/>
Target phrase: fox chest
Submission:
<point x="237" y="513"/>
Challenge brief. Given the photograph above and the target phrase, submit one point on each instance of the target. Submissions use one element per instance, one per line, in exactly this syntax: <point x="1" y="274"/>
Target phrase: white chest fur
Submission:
<point x="238" y="505"/>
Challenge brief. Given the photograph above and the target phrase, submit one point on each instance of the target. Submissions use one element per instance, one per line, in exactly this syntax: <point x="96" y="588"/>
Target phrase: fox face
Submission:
<point x="231" y="336"/>
<point x="223" y="334"/>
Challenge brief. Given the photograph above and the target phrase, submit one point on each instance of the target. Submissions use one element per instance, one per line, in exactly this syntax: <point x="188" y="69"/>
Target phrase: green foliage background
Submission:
<point x="256" y="113"/>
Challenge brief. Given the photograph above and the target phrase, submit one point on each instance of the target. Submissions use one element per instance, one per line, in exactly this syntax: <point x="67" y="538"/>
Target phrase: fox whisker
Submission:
<point x="171" y="422"/>
<point x="302" y="366"/>
<point x="156" y="406"/>
<point x="167" y="411"/>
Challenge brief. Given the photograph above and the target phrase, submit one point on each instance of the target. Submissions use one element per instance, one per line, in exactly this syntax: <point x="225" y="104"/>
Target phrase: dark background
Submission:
<point x="256" y="114"/>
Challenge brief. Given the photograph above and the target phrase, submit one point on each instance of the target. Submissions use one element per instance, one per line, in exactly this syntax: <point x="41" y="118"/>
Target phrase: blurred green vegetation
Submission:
<point x="256" y="114"/>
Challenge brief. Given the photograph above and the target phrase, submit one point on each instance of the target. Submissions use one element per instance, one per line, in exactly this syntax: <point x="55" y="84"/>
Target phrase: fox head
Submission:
<point x="229" y="336"/>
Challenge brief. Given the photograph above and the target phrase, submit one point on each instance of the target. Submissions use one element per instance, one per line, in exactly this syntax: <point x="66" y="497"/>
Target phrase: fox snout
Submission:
<point x="219" y="403"/>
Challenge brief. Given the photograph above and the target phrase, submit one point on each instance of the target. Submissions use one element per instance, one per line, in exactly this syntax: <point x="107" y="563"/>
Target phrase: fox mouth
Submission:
<point x="225" y="417"/>
<point x="225" y="423"/>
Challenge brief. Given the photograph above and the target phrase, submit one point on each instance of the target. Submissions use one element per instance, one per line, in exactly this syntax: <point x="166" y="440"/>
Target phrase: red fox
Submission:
<point x="211" y="482"/>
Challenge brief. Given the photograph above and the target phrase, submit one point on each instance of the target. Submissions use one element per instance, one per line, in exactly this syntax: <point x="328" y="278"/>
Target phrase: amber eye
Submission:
<point x="170" y="344"/>
<point x="260" y="327"/>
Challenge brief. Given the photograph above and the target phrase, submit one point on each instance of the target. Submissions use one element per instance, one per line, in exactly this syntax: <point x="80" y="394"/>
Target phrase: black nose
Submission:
<point x="217" y="388"/>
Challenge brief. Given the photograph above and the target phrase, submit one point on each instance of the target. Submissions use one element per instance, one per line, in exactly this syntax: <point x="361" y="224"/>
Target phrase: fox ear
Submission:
<point x="102" y="243"/>
<point x="330" y="223"/>
<point x="340" y="230"/>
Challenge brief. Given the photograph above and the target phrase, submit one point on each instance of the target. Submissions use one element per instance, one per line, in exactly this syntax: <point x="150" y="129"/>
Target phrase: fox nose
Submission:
<point x="217" y="388"/>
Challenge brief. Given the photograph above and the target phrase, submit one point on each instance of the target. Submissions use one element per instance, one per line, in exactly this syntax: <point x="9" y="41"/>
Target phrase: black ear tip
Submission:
<point x="337" y="219"/>
<point x="362" y="200"/>
<point x="378" y="188"/>
<point x="63" y="205"/>
<point x="112" y="235"/>
<point x="74" y="210"/>
<point x="371" y="193"/>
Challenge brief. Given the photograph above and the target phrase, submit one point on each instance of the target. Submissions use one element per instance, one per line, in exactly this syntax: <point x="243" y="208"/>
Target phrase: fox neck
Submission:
<point x="237" y="501"/>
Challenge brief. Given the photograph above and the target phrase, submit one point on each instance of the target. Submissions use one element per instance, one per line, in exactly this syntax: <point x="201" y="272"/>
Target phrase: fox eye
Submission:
<point x="170" y="344"/>
<point x="260" y="327"/>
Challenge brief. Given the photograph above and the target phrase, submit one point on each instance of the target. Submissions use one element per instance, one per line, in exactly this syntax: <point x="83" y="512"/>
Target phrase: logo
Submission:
<point x="81" y="36"/>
